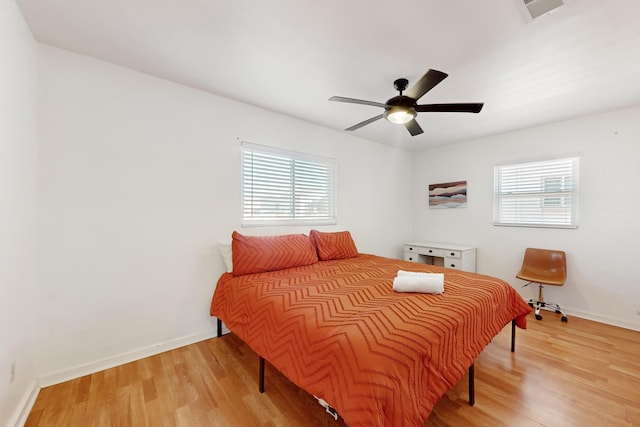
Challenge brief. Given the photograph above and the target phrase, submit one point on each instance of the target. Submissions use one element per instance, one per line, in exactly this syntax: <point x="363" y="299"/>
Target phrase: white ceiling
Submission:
<point x="290" y="56"/>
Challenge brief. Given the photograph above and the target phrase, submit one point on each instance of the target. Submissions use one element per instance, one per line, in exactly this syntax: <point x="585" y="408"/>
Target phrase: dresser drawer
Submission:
<point x="411" y="256"/>
<point x="432" y="252"/>
<point x="455" y="263"/>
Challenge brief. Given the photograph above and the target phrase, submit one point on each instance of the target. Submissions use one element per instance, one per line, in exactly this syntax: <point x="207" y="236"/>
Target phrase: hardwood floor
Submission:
<point x="579" y="373"/>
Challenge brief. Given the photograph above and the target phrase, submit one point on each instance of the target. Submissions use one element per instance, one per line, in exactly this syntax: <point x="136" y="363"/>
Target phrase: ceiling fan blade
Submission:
<point x="413" y="127"/>
<point x="450" y="108"/>
<point x="357" y="101"/>
<point x="366" y="122"/>
<point x="425" y="84"/>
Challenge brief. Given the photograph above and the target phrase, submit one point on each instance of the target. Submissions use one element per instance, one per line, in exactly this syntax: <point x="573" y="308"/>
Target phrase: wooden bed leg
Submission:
<point x="219" y="328"/>
<point x="261" y="376"/>
<point x="472" y="388"/>
<point x="513" y="335"/>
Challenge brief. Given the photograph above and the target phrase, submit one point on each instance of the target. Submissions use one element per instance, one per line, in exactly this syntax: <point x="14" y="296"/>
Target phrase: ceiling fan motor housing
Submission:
<point x="400" y="109"/>
<point x="401" y="101"/>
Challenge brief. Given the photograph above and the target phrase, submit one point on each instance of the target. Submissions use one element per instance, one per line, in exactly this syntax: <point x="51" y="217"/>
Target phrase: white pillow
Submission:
<point x="225" y="251"/>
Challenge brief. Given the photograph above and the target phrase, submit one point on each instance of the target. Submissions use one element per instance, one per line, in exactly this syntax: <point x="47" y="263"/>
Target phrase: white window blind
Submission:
<point x="537" y="194"/>
<point x="285" y="187"/>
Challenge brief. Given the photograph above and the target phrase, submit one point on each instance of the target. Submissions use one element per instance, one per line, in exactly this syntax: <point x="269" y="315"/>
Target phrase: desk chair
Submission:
<point x="544" y="267"/>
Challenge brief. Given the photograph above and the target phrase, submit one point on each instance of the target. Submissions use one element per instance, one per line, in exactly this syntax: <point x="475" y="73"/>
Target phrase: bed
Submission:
<point x="331" y="322"/>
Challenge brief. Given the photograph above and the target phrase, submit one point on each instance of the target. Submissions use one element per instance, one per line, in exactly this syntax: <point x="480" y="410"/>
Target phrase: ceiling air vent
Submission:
<point x="540" y="7"/>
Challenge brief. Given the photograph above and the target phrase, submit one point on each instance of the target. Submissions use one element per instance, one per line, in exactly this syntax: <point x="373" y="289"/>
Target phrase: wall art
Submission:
<point x="448" y="195"/>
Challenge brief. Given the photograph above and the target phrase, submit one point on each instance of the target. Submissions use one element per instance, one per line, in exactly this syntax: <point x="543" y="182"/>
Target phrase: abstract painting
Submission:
<point x="448" y="195"/>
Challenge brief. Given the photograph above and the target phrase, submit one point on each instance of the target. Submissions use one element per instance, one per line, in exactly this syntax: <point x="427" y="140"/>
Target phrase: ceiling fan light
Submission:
<point x="400" y="116"/>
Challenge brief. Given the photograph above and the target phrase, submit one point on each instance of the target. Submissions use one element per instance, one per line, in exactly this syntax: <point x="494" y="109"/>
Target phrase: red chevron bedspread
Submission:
<point x="380" y="358"/>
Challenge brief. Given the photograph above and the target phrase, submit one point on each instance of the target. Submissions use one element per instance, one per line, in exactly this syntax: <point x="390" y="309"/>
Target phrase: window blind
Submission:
<point x="537" y="194"/>
<point x="286" y="187"/>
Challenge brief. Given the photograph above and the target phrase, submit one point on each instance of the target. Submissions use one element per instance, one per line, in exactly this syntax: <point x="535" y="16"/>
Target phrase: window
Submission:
<point x="537" y="194"/>
<point x="284" y="187"/>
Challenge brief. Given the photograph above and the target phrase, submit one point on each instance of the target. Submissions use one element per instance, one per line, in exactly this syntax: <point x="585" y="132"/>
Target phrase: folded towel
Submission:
<point x="414" y="273"/>
<point x="428" y="283"/>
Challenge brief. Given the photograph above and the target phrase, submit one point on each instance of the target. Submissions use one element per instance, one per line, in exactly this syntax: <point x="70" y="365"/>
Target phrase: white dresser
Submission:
<point x="459" y="257"/>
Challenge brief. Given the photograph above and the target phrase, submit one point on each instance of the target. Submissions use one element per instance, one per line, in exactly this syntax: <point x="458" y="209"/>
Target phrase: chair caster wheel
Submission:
<point x="564" y="319"/>
<point x="538" y="317"/>
<point x="558" y="311"/>
<point x="531" y="304"/>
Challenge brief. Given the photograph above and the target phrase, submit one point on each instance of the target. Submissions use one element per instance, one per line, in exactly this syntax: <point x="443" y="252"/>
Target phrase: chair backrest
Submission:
<point x="544" y="266"/>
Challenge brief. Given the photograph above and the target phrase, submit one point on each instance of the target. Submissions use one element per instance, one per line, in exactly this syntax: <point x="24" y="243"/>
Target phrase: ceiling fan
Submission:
<point x="402" y="109"/>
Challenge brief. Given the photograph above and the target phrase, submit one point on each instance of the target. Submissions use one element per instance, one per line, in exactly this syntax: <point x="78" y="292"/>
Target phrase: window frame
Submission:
<point x="519" y="187"/>
<point x="294" y="200"/>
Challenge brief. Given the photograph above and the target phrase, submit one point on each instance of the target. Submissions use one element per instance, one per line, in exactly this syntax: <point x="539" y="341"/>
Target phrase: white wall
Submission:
<point x="139" y="179"/>
<point x="17" y="210"/>
<point x="602" y="253"/>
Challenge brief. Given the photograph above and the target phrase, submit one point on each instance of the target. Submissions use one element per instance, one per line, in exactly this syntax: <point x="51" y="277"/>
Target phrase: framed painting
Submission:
<point x="448" y="195"/>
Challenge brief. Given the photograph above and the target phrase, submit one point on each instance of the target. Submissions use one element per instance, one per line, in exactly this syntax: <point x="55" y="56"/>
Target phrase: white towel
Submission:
<point x="428" y="283"/>
<point x="414" y="273"/>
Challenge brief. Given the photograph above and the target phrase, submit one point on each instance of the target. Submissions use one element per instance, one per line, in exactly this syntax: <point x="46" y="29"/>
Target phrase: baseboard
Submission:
<point x="19" y="417"/>
<point x="110" y="362"/>
<point x="602" y="319"/>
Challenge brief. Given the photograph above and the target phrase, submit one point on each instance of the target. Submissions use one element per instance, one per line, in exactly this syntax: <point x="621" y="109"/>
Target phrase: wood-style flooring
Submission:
<point x="579" y="373"/>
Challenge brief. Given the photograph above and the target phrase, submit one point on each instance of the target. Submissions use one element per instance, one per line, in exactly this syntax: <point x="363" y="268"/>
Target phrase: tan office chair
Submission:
<point x="544" y="267"/>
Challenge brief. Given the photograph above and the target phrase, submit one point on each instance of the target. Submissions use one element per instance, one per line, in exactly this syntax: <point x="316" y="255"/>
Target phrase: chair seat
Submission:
<point x="545" y="280"/>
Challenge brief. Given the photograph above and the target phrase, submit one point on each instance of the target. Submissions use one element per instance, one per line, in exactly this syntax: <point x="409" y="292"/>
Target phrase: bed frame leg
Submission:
<point x="261" y="376"/>
<point x="472" y="388"/>
<point x="513" y="335"/>
<point x="219" y="328"/>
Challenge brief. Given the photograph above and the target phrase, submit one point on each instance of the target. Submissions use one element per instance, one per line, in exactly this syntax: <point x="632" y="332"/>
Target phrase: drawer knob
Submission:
<point x="430" y="251"/>
<point x="453" y="253"/>
<point x="453" y="265"/>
